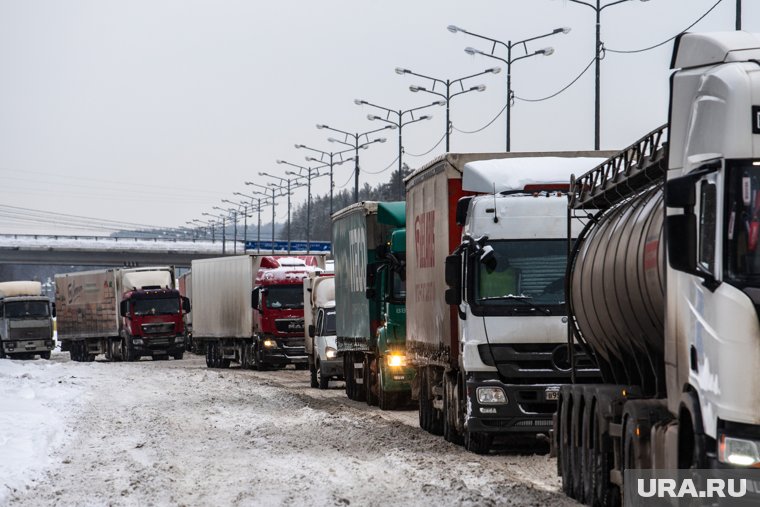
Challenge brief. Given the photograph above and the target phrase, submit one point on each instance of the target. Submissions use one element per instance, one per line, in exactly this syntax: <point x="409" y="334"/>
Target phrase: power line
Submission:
<point x="427" y="152"/>
<point x="563" y="89"/>
<point x="484" y="127"/>
<point x="348" y="180"/>
<point x="670" y="39"/>
<point x="382" y="171"/>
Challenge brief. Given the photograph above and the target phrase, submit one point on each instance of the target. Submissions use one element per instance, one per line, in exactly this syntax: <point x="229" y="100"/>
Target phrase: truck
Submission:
<point x="663" y="284"/>
<point x="486" y="325"/>
<point x="123" y="313"/>
<point x="26" y="321"/>
<point x="319" y="322"/>
<point x="370" y="297"/>
<point x="250" y="309"/>
<point x="185" y="286"/>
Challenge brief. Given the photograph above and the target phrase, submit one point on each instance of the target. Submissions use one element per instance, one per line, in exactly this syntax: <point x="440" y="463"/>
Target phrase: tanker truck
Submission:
<point x="122" y="313"/>
<point x="26" y="321"/>
<point x="664" y="285"/>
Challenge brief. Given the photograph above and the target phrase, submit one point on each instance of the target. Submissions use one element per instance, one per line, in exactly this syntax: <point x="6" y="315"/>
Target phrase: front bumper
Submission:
<point x="27" y="346"/>
<point x="397" y="378"/>
<point x="285" y="352"/>
<point x="158" y="345"/>
<point x="332" y="368"/>
<point x="529" y="408"/>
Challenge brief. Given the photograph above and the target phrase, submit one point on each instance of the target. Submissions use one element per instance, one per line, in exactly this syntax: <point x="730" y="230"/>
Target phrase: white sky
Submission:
<point x="153" y="111"/>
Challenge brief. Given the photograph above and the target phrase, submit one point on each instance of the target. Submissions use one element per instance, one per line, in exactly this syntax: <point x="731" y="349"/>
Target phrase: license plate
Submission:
<point x="551" y="394"/>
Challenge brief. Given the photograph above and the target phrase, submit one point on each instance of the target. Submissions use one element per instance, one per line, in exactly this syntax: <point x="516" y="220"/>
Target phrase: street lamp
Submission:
<point x="447" y="95"/>
<point x="207" y="225"/>
<point x="308" y="176"/>
<point x="234" y="213"/>
<point x="273" y="196"/>
<point x="509" y="60"/>
<point x="258" y="212"/>
<point x="356" y="144"/>
<point x="331" y="156"/>
<point x="399" y="124"/>
<point x="598" y="8"/>
<point x="224" y="229"/>
<point x="283" y="186"/>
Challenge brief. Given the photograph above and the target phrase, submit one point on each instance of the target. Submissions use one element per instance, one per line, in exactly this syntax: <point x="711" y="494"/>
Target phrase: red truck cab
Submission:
<point x="278" y="306"/>
<point x="153" y="323"/>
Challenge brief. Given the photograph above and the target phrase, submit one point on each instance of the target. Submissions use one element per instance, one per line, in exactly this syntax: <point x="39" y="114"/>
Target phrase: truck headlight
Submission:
<point x="10" y="345"/>
<point x="137" y="341"/>
<point x="179" y="339"/>
<point x="396" y="360"/>
<point x="738" y="451"/>
<point x="491" y="396"/>
<point x="270" y="344"/>
<point x="331" y="353"/>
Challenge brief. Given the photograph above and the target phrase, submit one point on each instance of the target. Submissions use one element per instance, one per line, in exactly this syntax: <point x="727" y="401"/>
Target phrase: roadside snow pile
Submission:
<point x="33" y="395"/>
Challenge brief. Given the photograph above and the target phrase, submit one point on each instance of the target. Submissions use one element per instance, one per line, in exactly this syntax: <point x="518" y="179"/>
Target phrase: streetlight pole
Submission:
<point x="285" y="184"/>
<point x="258" y="212"/>
<point x="224" y="229"/>
<point x="331" y="156"/>
<point x="273" y="196"/>
<point x="308" y="176"/>
<point x="399" y="124"/>
<point x="599" y="47"/>
<point x="447" y="95"/>
<point x="235" y="218"/>
<point x="356" y="144"/>
<point x="509" y="45"/>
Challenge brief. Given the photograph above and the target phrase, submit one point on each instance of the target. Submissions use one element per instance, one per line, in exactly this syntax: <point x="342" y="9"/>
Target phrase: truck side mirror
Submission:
<point x="680" y="193"/>
<point x="312" y="331"/>
<point x="681" y="233"/>
<point x="124" y="308"/>
<point x="186" y="305"/>
<point x="52" y="309"/>
<point x="255" y="299"/>
<point x="461" y="212"/>
<point x="453" y="274"/>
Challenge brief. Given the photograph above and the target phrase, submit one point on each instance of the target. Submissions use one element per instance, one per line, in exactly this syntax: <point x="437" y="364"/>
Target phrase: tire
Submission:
<point x="257" y="362"/>
<point x="323" y="382"/>
<point x="603" y="491"/>
<point x="209" y="356"/>
<point x="313" y="377"/>
<point x="369" y="381"/>
<point x="476" y="442"/>
<point x="563" y="458"/>
<point x="128" y="351"/>
<point x="451" y="409"/>
<point x="348" y="373"/>
<point x="45" y="355"/>
<point x="179" y="355"/>
<point x="385" y="400"/>
<point x="587" y="452"/>
<point x="2" y="352"/>
<point x="576" y="452"/>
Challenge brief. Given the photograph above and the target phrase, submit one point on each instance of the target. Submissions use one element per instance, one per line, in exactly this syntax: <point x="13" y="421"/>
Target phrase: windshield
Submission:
<point x="329" y="325"/>
<point x="27" y="310"/>
<point x="522" y="272"/>
<point x="743" y="222"/>
<point x="284" y="296"/>
<point x="156" y="306"/>
<point x="398" y="287"/>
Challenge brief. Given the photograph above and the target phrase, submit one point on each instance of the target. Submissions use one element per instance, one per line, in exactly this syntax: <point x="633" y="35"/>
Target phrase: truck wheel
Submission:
<point x="565" y="442"/>
<point x="179" y="355"/>
<point x="221" y="361"/>
<point x="128" y="351"/>
<point x="370" y="380"/>
<point x="2" y="352"/>
<point x="576" y="450"/>
<point x="479" y="443"/>
<point x="587" y="451"/>
<point x="45" y="355"/>
<point x="314" y="380"/>
<point x="209" y="358"/>
<point x="603" y="491"/>
<point x="451" y="409"/>
<point x="385" y="400"/>
<point x="257" y="363"/>
<point x="348" y="373"/>
<point x="324" y="382"/>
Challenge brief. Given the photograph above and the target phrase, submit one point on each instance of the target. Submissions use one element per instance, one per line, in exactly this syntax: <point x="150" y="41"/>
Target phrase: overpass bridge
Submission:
<point x="57" y="250"/>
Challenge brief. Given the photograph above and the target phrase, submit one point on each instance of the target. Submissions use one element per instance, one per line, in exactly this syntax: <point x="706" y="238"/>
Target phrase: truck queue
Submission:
<point x="606" y="300"/>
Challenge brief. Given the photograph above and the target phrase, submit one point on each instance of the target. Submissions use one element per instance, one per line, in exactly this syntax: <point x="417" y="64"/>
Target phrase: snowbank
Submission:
<point x="33" y="394"/>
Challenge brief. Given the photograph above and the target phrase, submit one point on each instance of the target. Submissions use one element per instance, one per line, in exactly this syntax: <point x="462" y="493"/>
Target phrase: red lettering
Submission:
<point x="424" y="239"/>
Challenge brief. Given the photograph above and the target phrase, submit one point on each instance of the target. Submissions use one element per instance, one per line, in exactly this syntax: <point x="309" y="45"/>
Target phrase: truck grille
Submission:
<point x="289" y="325"/>
<point x="538" y="363"/>
<point x="158" y="328"/>
<point x="30" y="333"/>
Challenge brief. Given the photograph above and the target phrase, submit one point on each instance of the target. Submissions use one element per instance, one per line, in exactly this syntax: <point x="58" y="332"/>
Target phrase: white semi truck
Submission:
<point x="664" y="284"/>
<point x="319" y="323"/>
<point x="26" y="321"/>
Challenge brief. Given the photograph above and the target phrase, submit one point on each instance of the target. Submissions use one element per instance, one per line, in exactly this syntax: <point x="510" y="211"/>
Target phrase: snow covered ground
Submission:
<point x="177" y="433"/>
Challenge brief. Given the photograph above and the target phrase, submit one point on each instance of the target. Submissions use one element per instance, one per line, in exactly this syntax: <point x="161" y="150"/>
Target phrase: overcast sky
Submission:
<point x="152" y="111"/>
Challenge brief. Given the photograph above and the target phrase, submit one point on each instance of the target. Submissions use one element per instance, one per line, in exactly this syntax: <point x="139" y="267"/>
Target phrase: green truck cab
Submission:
<point x="370" y="297"/>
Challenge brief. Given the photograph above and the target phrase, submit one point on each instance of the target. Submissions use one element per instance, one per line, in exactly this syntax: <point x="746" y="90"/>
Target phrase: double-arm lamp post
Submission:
<point x="256" y="208"/>
<point x="274" y="202"/>
<point x="307" y="173"/>
<point x="399" y="123"/>
<point x="446" y="93"/>
<point x="224" y="228"/>
<point x="285" y="185"/>
<point x="328" y="158"/>
<point x="356" y="141"/>
<point x="509" y="45"/>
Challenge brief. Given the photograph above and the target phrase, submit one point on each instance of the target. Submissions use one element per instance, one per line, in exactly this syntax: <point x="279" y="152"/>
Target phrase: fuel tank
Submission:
<point x="617" y="290"/>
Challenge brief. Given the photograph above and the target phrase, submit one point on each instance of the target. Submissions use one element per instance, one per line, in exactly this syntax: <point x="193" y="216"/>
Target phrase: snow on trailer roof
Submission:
<point x="516" y="173"/>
